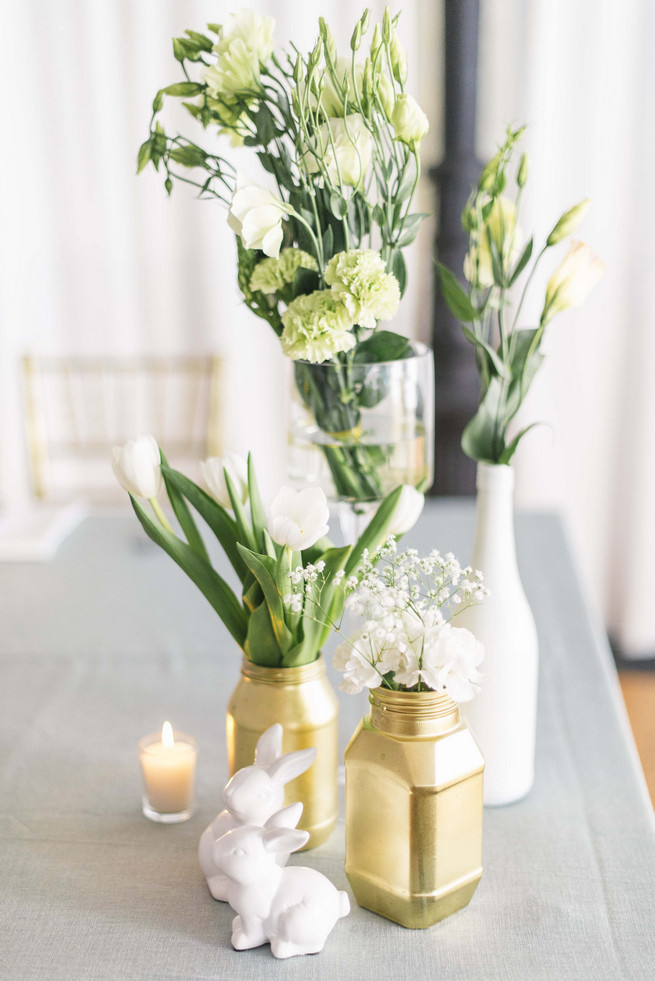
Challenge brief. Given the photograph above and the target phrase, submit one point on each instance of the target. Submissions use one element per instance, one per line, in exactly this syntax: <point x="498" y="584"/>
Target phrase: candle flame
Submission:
<point x="167" y="735"/>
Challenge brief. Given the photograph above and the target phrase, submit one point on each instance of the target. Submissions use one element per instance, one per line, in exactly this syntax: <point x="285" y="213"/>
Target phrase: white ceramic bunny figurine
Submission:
<point x="295" y="908"/>
<point x="253" y="795"/>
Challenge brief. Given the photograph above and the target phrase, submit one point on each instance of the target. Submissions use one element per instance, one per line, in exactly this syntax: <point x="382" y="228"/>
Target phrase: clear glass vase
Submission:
<point x="358" y="429"/>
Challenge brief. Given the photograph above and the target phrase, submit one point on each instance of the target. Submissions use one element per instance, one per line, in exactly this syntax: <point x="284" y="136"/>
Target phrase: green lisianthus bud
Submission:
<point x="489" y="175"/>
<point x="568" y="223"/>
<point x="522" y="174"/>
<point x="409" y="121"/>
<point x="356" y="39"/>
<point x="398" y="60"/>
<point x="386" y="26"/>
<point x="364" y="20"/>
<point x="376" y="43"/>
<point x="468" y="219"/>
<point x="298" y="71"/>
<point x="315" y="55"/>
<point x="329" y="45"/>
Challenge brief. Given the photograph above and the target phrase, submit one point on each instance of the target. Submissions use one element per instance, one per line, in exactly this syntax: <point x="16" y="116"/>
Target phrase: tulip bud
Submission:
<point x="137" y="467"/>
<point x="299" y="518"/>
<point x="522" y="175"/>
<point x="213" y="473"/>
<point x="398" y="61"/>
<point x="568" y="223"/>
<point x="407" y="510"/>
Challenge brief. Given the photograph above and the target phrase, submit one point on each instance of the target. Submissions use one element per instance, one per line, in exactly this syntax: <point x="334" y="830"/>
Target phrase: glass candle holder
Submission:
<point x="168" y="766"/>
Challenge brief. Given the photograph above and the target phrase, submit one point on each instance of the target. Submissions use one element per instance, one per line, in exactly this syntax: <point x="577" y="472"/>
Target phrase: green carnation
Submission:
<point x="316" y="326"/>
<point x="360" y="280"/>
<point x="272" y="275"/>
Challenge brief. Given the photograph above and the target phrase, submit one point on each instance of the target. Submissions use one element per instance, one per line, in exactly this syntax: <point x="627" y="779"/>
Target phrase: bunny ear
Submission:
<point x="291" y="765"/>
<point x="288" y="817"/>
<point x="269" y="746"/>
<point x="284" y="839"/>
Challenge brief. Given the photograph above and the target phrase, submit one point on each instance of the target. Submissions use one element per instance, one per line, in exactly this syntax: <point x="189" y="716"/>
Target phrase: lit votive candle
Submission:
<point x="168" y="762"/>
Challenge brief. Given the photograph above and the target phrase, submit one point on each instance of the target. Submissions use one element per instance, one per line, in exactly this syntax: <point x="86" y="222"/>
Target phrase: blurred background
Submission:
<point x="95" y="262"/>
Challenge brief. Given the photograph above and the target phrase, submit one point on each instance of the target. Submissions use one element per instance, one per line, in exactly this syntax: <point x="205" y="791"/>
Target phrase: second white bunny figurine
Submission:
<point x="254" y="796"/>
<point x="293" y="908"/>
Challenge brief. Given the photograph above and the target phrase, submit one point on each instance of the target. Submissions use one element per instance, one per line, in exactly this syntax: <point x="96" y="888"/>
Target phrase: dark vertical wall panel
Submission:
<point x="455" y="372"/>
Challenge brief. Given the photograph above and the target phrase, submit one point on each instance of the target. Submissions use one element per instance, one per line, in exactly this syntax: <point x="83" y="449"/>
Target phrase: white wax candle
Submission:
<point x="168" y="761"/>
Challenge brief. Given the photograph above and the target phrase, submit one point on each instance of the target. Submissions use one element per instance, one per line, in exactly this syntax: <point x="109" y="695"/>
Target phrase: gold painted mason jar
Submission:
<point x="302" y="700"/>
<point x="413" y="808"/>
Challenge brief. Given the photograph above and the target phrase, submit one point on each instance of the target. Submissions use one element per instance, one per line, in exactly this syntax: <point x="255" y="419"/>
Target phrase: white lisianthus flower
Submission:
<point x="359" y="279"/>
<point x="407" y="511"/>
<point x="254" y="31"/>
<point x="573" y="281"/>
<point x="347" y="148"/>
<point x="213" y="475"/>
<point x="299" y="518"/>
<point x="256" y="216"/>
<point x="235" y="74"/>
<point x="316" y="326"/>
<point x="137" y="467"/>
<point x="409" y="121"/>
<point x="451" y="656"/>
<point x="506" y="236"/>
<point x="272" y="275"/>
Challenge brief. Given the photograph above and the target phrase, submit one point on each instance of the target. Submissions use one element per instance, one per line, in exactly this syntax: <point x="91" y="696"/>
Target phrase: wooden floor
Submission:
<point x="639" y="695"/>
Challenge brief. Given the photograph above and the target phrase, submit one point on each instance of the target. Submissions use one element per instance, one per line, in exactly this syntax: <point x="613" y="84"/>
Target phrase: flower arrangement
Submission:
<point x="407" y="641"/>
<point x="261" y="548"/>
<point x="508" y="357"/>
<point x="320" y="251"/>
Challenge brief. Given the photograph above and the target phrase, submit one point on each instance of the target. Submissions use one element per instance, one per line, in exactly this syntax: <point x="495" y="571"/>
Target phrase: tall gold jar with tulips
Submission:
<point x="282" y="675"/>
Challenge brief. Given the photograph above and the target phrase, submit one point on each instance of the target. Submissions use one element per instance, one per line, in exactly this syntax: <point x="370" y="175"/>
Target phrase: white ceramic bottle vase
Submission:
<point x="503" y="716"/>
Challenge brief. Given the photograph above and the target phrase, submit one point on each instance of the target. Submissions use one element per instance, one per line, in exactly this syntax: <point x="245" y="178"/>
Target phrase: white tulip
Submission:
<point x="256" y="216"/>
<point x="298" y="518"/>
<point x="137" y="467"/>
<point x="407" y="511"/>
<point x="213" y="474"/>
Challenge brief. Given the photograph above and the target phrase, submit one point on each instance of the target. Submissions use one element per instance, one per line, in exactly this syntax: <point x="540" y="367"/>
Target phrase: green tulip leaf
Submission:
<point x="256" y="507"/>
<point x="263" y="569"/>
<point x="375" y="532"/>
<point x="261" y="645"/>
<point x="208" y="581"/>
<point x="182" y="512"/>
<point x="221" y="524"/>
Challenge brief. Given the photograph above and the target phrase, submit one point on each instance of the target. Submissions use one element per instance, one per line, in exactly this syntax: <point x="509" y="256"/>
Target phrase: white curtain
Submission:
<point x="583" y="78"/>
<point x="96" y="260"/>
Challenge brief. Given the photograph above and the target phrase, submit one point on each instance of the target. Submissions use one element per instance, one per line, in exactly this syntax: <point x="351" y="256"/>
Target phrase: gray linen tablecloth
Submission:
<point x="100" y="646"/>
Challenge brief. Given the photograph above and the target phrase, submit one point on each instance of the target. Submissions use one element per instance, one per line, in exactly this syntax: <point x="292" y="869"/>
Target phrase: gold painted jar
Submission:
<point x="303" y="701"/>
<point x="413" y="808"/>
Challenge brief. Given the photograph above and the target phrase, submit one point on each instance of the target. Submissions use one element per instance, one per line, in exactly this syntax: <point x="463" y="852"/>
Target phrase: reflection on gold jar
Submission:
<point x="413" y="808"/>
<point x="302" y="700"/>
